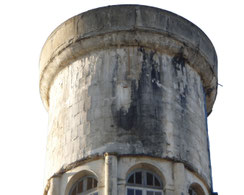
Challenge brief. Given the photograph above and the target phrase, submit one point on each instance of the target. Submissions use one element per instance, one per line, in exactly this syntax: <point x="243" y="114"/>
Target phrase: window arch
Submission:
<point x="86" y="185"/>
<point x="195" y="189"/>
<point x="143" y="182"/>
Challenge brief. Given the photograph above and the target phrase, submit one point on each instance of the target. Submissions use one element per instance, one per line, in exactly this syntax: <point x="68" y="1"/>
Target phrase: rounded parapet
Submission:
<point x="129" y="25"/>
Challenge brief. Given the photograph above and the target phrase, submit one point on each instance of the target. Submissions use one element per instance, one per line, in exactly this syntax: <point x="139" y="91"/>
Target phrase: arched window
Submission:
<point x="85" y="186"/>
<point x="144" y="182"/>
<point x="195" y="189"/>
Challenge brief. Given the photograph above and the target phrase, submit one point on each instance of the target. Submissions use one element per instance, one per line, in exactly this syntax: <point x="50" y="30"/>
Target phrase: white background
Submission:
<point x="25" y="26"/>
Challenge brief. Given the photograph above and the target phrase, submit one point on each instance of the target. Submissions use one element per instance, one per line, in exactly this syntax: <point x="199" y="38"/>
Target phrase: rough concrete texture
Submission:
<point x="128" y="101"/>
<point x="131" y="80"/>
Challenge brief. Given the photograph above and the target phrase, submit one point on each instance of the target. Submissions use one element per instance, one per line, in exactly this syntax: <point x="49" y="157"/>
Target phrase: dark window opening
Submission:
<point x="143" y="182"/>
<point x="86" y="185"/>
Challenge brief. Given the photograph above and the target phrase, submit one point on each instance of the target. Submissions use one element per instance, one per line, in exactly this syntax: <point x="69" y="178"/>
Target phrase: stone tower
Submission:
<point x="128" y="90"/>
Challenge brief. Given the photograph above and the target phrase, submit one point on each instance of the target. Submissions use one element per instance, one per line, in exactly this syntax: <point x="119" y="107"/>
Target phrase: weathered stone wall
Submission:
<point x="130" y="100"/>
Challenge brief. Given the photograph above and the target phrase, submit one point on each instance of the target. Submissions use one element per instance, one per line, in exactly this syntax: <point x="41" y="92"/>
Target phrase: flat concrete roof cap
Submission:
<point x="74" y="38"/>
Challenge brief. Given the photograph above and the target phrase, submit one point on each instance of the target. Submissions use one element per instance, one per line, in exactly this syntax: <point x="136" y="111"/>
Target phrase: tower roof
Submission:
<point x="80" y="34"/>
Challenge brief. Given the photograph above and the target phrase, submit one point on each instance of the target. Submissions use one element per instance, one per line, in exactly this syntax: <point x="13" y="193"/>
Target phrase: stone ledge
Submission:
<point x="68" y="52"/>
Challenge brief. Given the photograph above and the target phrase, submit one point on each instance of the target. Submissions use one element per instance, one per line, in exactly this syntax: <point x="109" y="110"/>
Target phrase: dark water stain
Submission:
<point x="182" y="117"/>
<point x="209" y="91"/>
<point x="115" y="73"/>
<point x="127" y="119"/>
<point x="178" y="62"/>
<point x="144" y="116"/>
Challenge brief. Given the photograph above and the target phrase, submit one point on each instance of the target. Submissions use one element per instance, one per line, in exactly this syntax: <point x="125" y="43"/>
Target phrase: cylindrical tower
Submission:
<point x="128" y="89"/>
